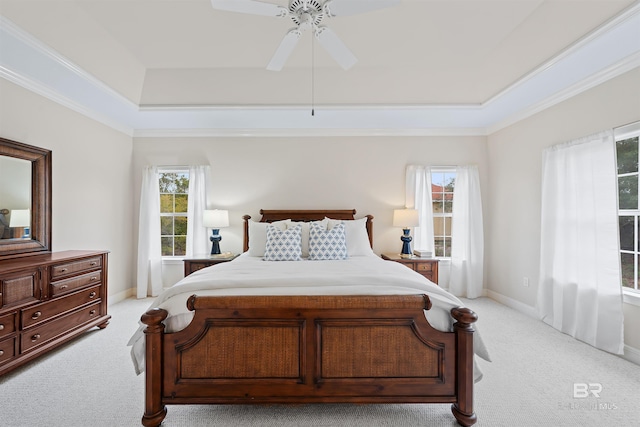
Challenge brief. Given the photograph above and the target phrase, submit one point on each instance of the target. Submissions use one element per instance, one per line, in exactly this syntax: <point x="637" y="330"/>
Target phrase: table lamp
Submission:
<point x="405" y="218"/>
<point x="215" y="219"/>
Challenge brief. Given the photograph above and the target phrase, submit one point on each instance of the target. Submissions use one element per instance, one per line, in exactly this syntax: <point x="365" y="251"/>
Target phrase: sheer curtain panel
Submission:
<point x="196" y="232"/>
<point x="467" y="236"/>
<point x="418" y="196"/>
<point x="149" y="274"/>
<point x="579" y="291"/>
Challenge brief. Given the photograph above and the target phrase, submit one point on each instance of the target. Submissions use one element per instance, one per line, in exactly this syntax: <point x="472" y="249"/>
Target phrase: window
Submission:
<point x="174" y="189"/>
<point x="442" y="185"/>
<point x="628" y="156"/>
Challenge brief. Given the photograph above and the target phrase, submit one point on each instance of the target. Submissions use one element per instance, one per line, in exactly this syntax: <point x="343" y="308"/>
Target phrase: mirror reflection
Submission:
<point x="15" y="198"/>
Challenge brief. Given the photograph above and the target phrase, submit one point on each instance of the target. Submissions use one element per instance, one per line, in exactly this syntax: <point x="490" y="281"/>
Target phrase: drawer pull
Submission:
<point x="92" y="312"/>
<point x="36" y="315"/>
<point x="93" y="263"/>
<point x="1" y="327"/>
<point x="1" y="352"/>
<point x="92" y="295"/>
<point x="63" y="287"/>
<point x="62" y="270"/>
<point x="93" y="278"/>
<point x="35" y="337"/>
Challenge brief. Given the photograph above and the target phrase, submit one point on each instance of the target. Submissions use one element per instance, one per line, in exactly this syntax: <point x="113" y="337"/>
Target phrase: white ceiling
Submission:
<point x="420" y="58"/>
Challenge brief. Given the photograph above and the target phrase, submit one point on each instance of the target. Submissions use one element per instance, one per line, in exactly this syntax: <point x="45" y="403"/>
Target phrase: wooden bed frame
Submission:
<point x="309" y="349"/>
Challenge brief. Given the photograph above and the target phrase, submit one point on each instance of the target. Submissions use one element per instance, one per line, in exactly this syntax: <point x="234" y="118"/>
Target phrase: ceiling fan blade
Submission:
<point x="284" y="50"/>
<point x="353" y="7"/>
<point x="336" y="48"/>
<point x="251" y="7"/>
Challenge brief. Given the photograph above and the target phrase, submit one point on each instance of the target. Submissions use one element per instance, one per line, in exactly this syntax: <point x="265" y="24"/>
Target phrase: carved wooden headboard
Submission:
<point x="305" y="215"/>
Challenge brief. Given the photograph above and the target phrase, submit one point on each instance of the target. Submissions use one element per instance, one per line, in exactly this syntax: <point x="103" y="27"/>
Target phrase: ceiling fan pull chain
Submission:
<point x="313" y="56"/>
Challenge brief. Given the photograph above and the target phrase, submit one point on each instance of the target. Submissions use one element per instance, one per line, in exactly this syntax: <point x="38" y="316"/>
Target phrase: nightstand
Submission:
<point x="201" y="261"/>
<point x="428" y="267"/>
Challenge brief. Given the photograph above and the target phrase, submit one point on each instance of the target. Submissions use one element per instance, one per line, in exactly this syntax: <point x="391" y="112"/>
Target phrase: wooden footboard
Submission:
<point x="309" y="349"/>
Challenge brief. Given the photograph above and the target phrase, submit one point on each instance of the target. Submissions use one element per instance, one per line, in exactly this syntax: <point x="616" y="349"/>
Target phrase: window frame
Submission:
<point x="631" y="295"/>
<point x="178" y="170"/>
<point x="444" y="215"/>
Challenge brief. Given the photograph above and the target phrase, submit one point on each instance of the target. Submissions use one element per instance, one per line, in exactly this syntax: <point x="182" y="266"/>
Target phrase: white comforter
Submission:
<point x="246" y="275"/>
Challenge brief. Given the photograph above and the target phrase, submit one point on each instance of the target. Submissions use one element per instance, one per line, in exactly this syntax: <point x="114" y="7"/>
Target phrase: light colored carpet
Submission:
<point x="91" y="382"/>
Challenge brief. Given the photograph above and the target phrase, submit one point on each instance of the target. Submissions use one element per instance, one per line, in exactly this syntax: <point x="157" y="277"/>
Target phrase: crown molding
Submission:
<point x="592" y="81"/>
<point x="47" y="92"/>
<point x="607" y="52"/>
<point x="299" y="133"/>
<point x="42" y="49"/>
<point x="623" y="19"/>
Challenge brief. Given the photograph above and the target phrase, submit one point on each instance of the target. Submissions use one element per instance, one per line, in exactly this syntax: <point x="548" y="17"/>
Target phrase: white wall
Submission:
<point x="92" y="192"/>
<point x="365" y="173"/>
<point x="515" y="163"/>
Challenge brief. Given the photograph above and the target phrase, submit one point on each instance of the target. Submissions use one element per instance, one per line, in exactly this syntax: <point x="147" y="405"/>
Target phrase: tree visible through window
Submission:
<point x="442" y="185"/>
<point x="174" y="189"/>
<point x="628" y="156"/>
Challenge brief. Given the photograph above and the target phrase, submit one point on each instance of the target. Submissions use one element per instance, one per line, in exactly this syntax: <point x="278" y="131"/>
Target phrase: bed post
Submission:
<point x="463" y="408"/>
<point x="245" y="243"/>
<point x="154" y="411"/>
<point x="369" y="226"/>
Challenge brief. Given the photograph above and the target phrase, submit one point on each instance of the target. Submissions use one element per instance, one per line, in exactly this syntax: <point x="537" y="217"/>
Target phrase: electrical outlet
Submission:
<point x="525" y="281"/>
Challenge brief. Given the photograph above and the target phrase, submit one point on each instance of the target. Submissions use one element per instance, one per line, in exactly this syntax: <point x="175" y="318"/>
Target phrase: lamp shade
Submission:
<point x="20" y="218"/>
<point x="216" y="218"/>
<point x="405" y="218"/>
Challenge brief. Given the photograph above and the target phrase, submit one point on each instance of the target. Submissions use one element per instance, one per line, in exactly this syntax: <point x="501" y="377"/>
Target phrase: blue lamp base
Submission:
<point x="215" y="241"/>
<point x="406" y="244"/>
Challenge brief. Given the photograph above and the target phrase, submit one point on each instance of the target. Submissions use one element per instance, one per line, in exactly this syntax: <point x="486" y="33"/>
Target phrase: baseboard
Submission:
<point x="631" y="354"/>
<point x="515" y="304"/>
<point x="121" y="296"/>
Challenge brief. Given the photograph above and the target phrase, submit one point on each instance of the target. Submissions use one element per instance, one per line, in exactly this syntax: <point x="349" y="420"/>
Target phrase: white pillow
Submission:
<point x="305" y="233"/>
<point x="356" y="235"/>
<point x="327" y="244"/>
<point x="282" y="245"/>
<point x="258" y="236"/>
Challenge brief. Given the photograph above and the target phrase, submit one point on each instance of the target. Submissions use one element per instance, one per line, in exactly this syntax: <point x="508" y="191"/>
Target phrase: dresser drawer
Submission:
<point x="7" y="324"/>
<point x="60" y="270"/>
<point x="41" y="312"/>
<point x="423" y="268"/>
<point x="7" y="350"/>
<point x="21" y="288"/>
<point x="45" y="332"/>
<point x="63" y="286"/>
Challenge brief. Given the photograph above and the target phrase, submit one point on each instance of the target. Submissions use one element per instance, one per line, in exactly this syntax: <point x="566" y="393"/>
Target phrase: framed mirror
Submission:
<point x="25" y="199"/>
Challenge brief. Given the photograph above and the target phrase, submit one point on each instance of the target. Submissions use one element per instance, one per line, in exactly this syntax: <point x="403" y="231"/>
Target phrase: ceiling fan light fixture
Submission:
<point x="303" y="13"/>
<point x="307" y="14"/>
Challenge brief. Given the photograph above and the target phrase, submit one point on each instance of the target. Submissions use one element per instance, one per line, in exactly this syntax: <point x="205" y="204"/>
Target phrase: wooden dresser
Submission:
<point x="428" y="267"/>
<point x="47" y="299"/>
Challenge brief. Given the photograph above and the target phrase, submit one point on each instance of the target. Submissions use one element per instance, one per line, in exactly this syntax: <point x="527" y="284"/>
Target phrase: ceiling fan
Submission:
<point x="307" y="14"/>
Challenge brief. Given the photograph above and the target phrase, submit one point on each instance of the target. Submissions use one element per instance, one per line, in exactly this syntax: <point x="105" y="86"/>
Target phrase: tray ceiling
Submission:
<point x="427" y="64"/>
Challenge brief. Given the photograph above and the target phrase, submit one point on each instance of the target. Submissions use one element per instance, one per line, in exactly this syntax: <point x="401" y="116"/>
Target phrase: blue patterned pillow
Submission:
<point x="327" y="244"/>
<point x="283" y="245"/>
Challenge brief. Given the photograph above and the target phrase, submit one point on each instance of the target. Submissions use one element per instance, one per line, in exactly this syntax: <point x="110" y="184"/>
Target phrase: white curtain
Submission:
<point x="467" y="237"/>
<point x="149" y="272"/>
<point x="196" y="232"/>
<point x="418" y="196"/>
<point x="579" y="291"/>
